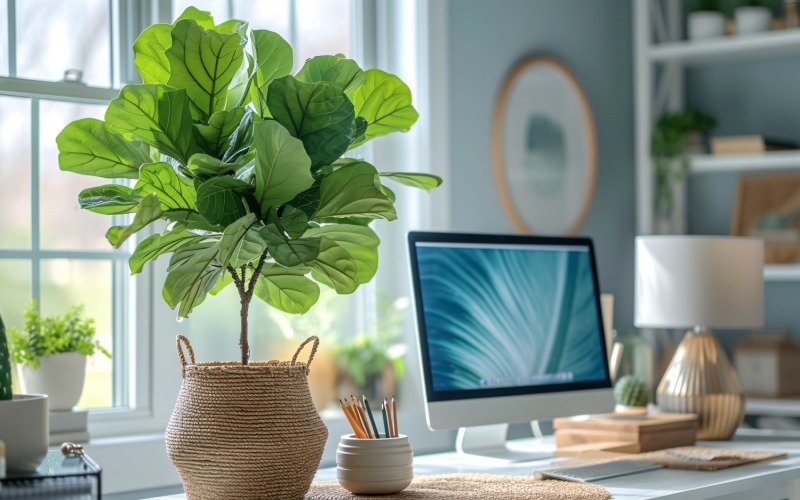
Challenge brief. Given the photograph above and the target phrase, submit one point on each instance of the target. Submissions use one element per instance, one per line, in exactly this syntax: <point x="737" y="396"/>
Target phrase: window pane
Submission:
<point x="15" y="172"/>
<point x="15" y="290"/>
<point x="218" y="8"/>
<point x="56" y="35"/>
<point x="66" y="283"/>
<point x="3" y="39"/>
<point x="317" y="33"/>
<point x="63" y="224"/>
<point x="273" y="16"/>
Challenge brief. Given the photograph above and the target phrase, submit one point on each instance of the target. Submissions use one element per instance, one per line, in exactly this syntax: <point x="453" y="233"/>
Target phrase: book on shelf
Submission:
<point x="748" y="144"/>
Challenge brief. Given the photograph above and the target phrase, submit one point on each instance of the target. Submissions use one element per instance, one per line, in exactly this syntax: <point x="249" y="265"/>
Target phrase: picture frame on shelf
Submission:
<point x="768" y="207"/>
<point x="544" y="148"/>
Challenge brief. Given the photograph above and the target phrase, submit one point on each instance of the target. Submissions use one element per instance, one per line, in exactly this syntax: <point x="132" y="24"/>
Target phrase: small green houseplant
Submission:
<point x="43" y="336"/>
<point x="629" y="390"/>
<point x="52" y="353"/>
<point x="371" y="363"/>
<point x="669" y="147"/>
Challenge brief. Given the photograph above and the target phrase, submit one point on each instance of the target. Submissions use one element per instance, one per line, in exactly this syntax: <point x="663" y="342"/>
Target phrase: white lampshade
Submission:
<point x="687" y="281"/>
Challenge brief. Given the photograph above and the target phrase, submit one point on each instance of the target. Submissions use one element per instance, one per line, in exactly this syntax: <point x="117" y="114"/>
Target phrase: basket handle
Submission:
<point x="313" y="338"/>
<point x="182" y="341"/>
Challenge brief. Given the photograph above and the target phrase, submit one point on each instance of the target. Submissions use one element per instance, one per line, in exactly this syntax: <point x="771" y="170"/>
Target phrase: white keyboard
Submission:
<point x="597" y="472"/>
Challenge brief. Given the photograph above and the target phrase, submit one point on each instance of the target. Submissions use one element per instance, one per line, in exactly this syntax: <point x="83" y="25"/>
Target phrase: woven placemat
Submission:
<point x="698" y="458"/>
<point x="472" y="486"/>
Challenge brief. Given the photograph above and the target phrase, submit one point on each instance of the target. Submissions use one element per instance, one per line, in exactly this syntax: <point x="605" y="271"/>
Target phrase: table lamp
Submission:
<point x="700" y="282"/>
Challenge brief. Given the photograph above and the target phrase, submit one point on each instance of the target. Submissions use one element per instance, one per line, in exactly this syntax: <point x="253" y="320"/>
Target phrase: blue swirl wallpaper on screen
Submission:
<point x="502" y="317"/>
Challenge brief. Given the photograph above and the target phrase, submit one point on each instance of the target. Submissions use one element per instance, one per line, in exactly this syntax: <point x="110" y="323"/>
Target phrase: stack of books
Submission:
<point x="748" y="144"/>
<point x="629" y="434"/>
<point x="68" y="427"/>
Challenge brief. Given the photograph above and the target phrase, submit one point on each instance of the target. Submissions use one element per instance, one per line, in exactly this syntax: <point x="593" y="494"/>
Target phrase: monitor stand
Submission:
<point x="491" y="441"/>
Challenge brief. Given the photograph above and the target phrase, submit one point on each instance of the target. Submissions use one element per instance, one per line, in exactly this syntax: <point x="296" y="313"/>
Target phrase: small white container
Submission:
<point x="24" y="429"/>
<point x="374" y="466"/>
<point x="60" y="376"/>
<point x="706" y="24"/>
<point x="752" y="19"/>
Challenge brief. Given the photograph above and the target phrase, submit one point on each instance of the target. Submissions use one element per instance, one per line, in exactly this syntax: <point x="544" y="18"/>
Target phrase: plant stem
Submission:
<point x="246" y="290"/>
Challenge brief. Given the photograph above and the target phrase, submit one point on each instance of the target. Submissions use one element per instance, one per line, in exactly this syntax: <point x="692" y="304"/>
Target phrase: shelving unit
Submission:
<point x="661" y="56"/>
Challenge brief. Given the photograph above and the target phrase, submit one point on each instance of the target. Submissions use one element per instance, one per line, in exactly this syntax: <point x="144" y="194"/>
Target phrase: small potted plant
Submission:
<point x="630" y="393"/>
<point x="370" y="364"/>
<point x="706" y="20"/>
<point x="675" y="136"/>
<point x="52" y="353"/>
<point x="753" y="16"/>
<point x="23" y="418"/>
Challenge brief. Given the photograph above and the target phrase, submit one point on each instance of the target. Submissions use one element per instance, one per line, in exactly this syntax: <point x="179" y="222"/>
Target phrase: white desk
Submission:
<point x="774" y="480"/>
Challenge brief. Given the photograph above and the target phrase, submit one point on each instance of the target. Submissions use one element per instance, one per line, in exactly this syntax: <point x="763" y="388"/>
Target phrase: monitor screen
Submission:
<point x="507" y="315"/>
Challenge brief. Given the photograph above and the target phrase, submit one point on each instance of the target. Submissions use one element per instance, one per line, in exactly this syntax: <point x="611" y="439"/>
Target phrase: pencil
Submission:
<point x="371" y="418"/>
<point x="363" y="415"/>
<point x="394" y="416"/>
<point x="385" y="421"/>
<point x="349" y="419"/>
<point x="354" y="413"/>
<point x="362" y="419"/>
<point x="389" y="417"/>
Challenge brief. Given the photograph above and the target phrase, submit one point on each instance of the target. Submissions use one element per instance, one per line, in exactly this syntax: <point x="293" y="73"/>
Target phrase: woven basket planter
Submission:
<point x="245" y="431"/>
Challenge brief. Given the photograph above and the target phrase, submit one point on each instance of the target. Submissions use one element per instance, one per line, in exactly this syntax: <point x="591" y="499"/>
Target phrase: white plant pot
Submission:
<point x="752" y="19"/>
<point x="60" y="376"/>
<point x="706" y="24"/>
<point x="24" y="430"/>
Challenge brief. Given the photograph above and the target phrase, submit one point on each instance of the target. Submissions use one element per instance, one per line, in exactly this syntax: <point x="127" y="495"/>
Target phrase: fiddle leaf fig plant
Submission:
<point x="246" y="163"/>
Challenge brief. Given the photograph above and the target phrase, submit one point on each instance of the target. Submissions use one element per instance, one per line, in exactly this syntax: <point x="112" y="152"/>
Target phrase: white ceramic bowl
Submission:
<point x="24" y="429"/>
<point x="374" y="466"/>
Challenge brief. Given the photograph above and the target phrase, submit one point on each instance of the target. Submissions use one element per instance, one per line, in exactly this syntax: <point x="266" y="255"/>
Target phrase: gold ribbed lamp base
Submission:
<point x="700" y="379"/>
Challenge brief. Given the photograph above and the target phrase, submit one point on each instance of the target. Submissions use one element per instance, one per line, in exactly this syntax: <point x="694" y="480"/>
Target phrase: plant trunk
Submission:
<point x="243" y="342"/>
<point x="246" y="290"/>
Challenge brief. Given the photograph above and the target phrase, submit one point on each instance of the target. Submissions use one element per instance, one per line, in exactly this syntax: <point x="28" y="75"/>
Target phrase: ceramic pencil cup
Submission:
<point x="374" y="466"/>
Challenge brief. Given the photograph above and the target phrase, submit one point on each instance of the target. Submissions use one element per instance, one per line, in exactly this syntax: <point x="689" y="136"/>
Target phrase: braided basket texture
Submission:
<point x="245" y="432"/>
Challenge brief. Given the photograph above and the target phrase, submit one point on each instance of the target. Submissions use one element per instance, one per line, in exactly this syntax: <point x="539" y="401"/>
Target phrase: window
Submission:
<point x="51" y="251"/>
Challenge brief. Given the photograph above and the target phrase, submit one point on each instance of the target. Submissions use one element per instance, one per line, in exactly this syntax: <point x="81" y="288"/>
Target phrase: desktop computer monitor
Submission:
<point x="509" y="330"/>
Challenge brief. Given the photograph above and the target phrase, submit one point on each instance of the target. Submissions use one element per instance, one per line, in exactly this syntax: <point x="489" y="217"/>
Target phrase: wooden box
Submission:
<point x="654" y="431"/>
<point x="768" y="364"/>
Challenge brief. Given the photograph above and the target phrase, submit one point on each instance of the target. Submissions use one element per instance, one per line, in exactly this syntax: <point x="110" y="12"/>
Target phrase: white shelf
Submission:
<point x="773" y="407"/>
<point x="777" y="160"/>
<point x="738" y="47"/>
<point x="782" y="272"/>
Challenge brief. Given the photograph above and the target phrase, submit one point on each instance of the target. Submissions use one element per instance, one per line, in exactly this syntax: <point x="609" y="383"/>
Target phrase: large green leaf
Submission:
<point x="421" y="181"/>
<point x="241" y="243"/>
<point x="149" y="210"/>
<point x="282" y="168"/>
<point x="385" y="101"/>
<point x="344" y="73"/>
<point x="174" y="192"/>
<point x="319" y="114"/>
<point x="154" y="114"/>
<point x="204" y="62"/>
<point x="236" y="147"/>
<point x="86" y="147"/>
<point x="155" y="245"/>
<point x="351" y="191"/>
<point x="203" y="165"/>
<point x="294" y="221"/>
<point x="201" y="17"/>
<point x="220" y="126"/>
<point x="193" y="221"/>
<point x="150" y="53"/>
<point x="335" y="267"/>
<point x="361" y="243"/>
<point x="109" y="199"/>
<point x="220" y="200"/>
<point x="308" y="200"/>
<point x="289" y="253"/>
<point x="273" y="59"/>
<point x="286" y="289"/>
<point x="191" y="274"/>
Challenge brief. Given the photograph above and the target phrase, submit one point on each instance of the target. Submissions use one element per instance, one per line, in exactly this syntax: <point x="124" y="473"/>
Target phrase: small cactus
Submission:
<point x="5" y="365"/>
<point x="630" y="391"/>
